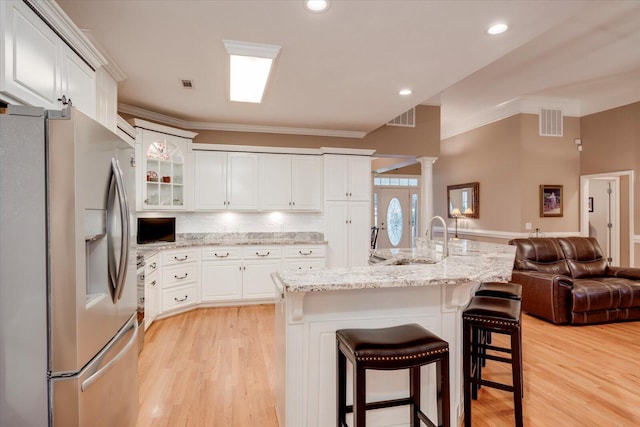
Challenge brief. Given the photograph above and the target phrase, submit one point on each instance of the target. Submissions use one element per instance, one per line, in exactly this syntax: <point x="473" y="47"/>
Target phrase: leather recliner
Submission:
<point x="568" y="280"/>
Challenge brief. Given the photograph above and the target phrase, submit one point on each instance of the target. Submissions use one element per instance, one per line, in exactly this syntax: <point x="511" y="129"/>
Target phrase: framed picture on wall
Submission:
<point x="551" y="200"/>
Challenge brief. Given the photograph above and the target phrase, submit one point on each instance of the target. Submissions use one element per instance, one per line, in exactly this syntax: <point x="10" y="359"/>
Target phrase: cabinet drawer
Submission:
<point x="151" y="265"/>
<point x="305" y="251"/>
<point x="311" y="264"/>
<point x="152" y="279"/>
<point x="182" y="256"/>
<point x="262" y="252"/>
<point x="221" y="253"/>
<point x="179" y="275"/>
<point x="182" y="296"/>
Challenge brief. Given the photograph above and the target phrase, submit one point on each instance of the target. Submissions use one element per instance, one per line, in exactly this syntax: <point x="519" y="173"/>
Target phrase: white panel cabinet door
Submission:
<point x="210" y="180"/>
<point x="78" y="82"/>
<point x="257" y="278"/>
<point x="336" y="177"/>
<point x="347" y="230"/>
<point x="359" y="168"/>
<point x="336" y="218"/>
<point x="275" y="182"/>
<point x="106" y="99"/>
<point x="30" y="70"/>
<point x="221" y="280"/>
<point x="242" y="181"/>
<point x="306" y="183"/>
<point x="359" y="234"/>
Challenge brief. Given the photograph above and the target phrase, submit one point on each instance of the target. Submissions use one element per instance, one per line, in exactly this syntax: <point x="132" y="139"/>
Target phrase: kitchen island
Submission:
<point x="405" y="286"/>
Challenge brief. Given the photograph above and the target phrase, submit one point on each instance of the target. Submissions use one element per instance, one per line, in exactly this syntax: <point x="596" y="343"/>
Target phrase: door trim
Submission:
<point x="584" y="206"/>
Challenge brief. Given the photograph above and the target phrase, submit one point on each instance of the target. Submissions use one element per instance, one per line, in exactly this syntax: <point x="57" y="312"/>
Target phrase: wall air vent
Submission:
<point x="187" y="84"/>
<point x="550" y="122"/>
<point x="406" y="119"/>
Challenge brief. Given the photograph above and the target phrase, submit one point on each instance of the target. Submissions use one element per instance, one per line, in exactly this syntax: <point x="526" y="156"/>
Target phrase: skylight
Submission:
<point x="250" y="66"/>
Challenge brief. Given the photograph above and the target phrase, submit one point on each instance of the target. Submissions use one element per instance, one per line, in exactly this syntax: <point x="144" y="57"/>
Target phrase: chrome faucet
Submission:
<point x="445" y="250"/>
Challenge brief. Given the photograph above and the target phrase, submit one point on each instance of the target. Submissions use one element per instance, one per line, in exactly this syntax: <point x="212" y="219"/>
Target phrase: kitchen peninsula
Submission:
<point x="405" y="286"/>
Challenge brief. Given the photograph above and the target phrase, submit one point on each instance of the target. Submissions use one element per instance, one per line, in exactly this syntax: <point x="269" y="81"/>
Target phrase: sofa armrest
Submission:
<point x="624" y="272"/>
<point x="545" y="295"/>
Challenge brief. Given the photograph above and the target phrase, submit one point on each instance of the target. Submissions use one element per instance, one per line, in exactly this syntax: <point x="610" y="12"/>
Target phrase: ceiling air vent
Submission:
<point x="187" y="84"/>
<point x="550" y="122"/>
<point x="406" y="119"/>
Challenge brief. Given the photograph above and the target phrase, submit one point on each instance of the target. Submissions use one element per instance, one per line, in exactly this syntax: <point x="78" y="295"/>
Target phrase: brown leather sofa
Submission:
<point x="568" y="280"/>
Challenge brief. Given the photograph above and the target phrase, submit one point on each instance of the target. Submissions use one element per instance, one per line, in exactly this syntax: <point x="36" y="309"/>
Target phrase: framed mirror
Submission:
<point x="463" y="200"/>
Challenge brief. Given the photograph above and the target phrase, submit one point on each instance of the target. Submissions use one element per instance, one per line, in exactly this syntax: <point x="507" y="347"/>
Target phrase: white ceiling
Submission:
<point x="339" y="72"/>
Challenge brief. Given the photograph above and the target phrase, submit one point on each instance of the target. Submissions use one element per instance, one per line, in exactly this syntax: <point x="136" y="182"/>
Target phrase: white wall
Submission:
<point x="240" y="222"/>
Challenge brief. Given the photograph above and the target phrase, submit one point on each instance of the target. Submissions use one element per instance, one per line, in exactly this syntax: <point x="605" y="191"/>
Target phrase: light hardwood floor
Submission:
<point x="214" y="367"/>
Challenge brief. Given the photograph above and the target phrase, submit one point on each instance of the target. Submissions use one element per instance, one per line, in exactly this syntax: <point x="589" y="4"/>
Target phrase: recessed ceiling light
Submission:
<point x="316" y="6"/>
<point x="250" y="65"/>
<point x="405" y="92"/>
<point x="497" y="29"/>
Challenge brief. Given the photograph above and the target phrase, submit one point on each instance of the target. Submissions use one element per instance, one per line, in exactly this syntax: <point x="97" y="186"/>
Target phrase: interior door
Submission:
<point x="394" y="218"/>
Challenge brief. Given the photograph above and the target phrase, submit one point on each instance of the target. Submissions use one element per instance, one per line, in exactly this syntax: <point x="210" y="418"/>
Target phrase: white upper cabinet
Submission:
<point x="78" y="82"/>
<point x="164" y="158"/>
<point x="210" y="180"/>
<point x="31" y="70"/>
<point x="226" y="180"/>
<point x="347" y="177"/>
<point x="38" y="67"/>
<point x="290" y="182"/>
<point x="106" y="99"/>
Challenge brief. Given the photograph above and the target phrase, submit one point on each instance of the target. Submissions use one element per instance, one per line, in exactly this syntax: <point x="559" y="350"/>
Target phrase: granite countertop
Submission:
<point x="468" y="261"/>
<point x="186" y="240"/>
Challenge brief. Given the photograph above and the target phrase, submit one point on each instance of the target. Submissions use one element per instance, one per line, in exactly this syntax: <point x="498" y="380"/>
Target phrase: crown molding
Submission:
<point x="112" y="68"/>
<point x="229" y="127"/>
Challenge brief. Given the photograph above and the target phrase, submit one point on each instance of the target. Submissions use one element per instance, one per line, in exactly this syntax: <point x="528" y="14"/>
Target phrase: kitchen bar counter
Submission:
<point x="427" y="290"/>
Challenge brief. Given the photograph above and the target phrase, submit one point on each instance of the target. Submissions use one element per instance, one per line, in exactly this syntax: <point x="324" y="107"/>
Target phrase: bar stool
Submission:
<point x="491" y="315"/>
<point x="497" y="290"/>
<point x="399" y="347"/>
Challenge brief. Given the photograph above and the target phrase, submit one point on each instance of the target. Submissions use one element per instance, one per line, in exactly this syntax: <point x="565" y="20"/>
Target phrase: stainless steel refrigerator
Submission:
<point x="68" y="329"/>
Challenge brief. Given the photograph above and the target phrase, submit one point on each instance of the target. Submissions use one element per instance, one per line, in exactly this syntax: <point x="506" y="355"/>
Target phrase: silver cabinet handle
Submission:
<point x="181" y="259"/>
<point x="142" y="276"/>
<point x="305" y="253"/>
<point x="153" y="265"/>
<point x="181" y="277"/>
<point x="262" y="255"/>
<point x="153" y="283"/>
<point x="181" y="299"/>
<point x="221" y="256"/>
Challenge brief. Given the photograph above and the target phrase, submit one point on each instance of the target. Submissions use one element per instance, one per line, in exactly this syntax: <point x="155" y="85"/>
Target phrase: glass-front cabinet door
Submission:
<point x="164" y="174"/>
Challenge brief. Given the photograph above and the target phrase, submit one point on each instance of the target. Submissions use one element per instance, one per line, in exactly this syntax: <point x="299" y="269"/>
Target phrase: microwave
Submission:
<point x="151" y="230"/>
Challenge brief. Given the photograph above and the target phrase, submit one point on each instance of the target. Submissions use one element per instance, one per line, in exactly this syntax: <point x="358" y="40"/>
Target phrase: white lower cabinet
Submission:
<point x="304" y="257"/>
<point x="348" y="231"/>
<point x="259" y="263"/>
<point x="180" y="279"/>
<point x="151" y="289"/>
<point x="151" y="298"/>
<point x="239" y="274"/>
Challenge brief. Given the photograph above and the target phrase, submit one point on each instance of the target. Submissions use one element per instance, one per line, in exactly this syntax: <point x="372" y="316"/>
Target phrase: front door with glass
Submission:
<point x="394" y="218"/>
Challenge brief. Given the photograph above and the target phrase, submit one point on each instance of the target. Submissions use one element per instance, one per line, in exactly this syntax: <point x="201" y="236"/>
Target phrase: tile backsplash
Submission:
<point x="242" y="222"/>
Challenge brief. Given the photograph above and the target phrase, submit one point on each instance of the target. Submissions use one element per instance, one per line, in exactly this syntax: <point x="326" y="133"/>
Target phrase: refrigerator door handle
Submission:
<point x="118" y="277"/>
<point x="133" y="323"/>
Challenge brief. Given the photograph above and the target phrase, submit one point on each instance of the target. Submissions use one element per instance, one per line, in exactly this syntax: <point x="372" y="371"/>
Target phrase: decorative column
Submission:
<point x="426" y="193"/>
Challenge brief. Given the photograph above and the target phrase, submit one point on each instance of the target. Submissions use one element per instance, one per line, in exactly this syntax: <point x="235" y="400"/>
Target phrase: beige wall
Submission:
<point x="421" y="140"/>
<point x="511" y="161"/>
<point x="611" y="143"/>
